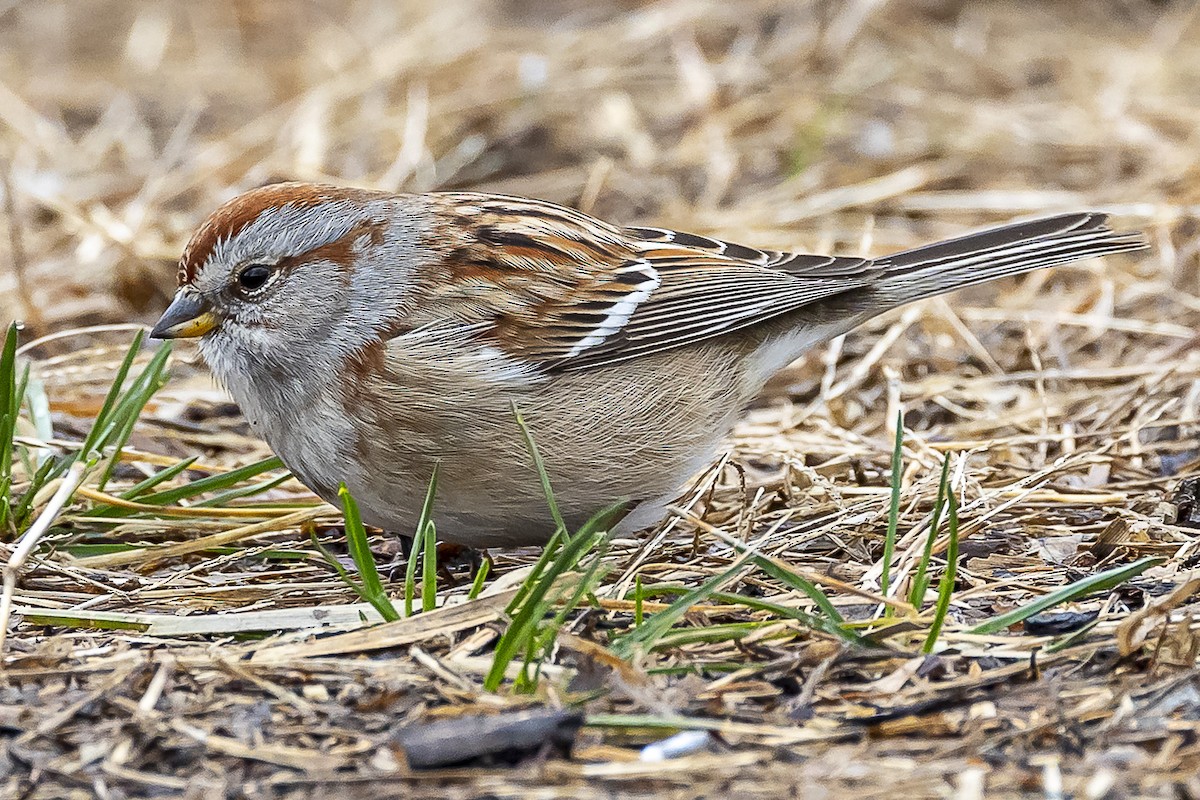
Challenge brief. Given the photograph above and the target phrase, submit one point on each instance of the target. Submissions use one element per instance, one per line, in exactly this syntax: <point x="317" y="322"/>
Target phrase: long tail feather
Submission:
<point x="1010" y="250"/>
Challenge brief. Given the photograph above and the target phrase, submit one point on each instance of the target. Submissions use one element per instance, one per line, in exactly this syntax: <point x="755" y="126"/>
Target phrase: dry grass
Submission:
<point x="1068" y="400"/>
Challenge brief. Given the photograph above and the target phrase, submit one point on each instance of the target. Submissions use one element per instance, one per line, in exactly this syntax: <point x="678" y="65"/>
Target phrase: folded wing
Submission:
<point x="576" y="292"/>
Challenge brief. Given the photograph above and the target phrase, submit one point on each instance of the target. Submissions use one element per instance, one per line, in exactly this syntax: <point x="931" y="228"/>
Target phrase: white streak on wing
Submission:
<point x="503" y="368"/>
<point x="622" y="310"/>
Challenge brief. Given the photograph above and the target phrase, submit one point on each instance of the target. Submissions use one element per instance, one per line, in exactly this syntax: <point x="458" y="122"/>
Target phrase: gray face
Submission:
<point x="280" y="283"/>
<point x="300" y="288"/>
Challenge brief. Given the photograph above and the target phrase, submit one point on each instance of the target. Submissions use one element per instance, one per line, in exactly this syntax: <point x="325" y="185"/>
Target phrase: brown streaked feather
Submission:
<point x="706" y="297"/>
<point x="577" y="291"/>
<point x="793" y="263"/>
<point x="566" y="291"/>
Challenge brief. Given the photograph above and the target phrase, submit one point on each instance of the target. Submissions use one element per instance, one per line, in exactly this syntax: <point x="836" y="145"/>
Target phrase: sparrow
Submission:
<point x="370" y="336"/>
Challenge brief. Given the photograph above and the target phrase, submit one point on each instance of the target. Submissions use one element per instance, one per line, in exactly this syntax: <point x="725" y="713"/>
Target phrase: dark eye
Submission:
<point x="253" y="277"/>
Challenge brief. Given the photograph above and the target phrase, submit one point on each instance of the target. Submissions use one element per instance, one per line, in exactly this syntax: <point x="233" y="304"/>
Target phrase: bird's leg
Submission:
<point x="449" y="557"/>
<point x="452" y="556"/>
<point x="401" y="548"/>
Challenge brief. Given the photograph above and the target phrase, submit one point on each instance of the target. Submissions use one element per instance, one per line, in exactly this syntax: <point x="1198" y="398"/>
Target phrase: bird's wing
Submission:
<point x="566" y="291"/>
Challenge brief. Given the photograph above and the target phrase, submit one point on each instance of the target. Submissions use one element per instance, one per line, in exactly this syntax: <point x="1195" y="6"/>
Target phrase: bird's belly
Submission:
<point x="492" y="495"/>
<point x="612" y="435"/>
<point x="615" y="435"/>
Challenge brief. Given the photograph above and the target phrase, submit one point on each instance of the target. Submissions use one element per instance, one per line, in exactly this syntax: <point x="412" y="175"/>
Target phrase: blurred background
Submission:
<point x="851" y="125"/>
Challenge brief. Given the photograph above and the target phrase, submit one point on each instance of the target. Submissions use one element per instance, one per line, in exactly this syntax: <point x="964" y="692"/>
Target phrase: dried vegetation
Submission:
<point x="171" y="652"/>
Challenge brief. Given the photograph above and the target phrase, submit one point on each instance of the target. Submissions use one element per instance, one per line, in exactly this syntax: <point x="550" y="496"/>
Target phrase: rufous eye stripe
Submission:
<point x="233" y="216"/>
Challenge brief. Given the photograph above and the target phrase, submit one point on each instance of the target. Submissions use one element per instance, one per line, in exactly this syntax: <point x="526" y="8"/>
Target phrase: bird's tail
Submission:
<point x="997" y="252"/>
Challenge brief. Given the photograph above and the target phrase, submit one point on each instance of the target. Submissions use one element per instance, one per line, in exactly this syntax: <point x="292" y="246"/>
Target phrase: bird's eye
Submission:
<point x="253" y="277"/>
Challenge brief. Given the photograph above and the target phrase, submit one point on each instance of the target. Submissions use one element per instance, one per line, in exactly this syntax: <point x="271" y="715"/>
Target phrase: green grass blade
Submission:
<point x="1071" y="639"/>
<point x="160" y="477"/>
<point x="712" y="634"/>
<point x="429" y="569"/>
<point x="111" y="431"/>
<point x="10" y="403"/>
<point x="599" y="522"/>
<point x="539" y="590"/>
<point x="567" y="599"/>
<point x="550" y="551"/>
<point x="240" y="492"/>
<point x="333" y="562"/>
<point x="10" y="400"/>
<point x="213" y="483"/>
<point x="410" y="570"/>
<point x="111" y="428"/>
<point x="426" y="516"/>
<point x="644" y="638"/>
<point x="94" y="548"/>
<point x="946" y="585"/>
<point x="783" y="612"/>
<point x="801" y="584"/>
<point x="429" y="540"/>
<point x="410" y="574"/>
<point x="22" y="389"/>
<point x="788" y="578"/>
<point x="639" y="599"/>
<point x="141" y="487"/>
<point x="38" y="405"/>
<point x="8" y="369"/>
<point x="364" y="562"/>
<point x="46" y="473"/>
<point x="531" y="580"/>
<point x="418" y="543"/>
<point x="889" y="542"/>
<point x="120" y="439"/>
<point x="920" y="581"/>
<point x="523" y="627"/>
<point x="813" y="621"/>
<point x="7" y="424"/>
<point x="586" y="585"/>
<point x="536" y="455"/>
<point x="114" y="392"/>
<point x="5" y="506"/>
<point x="85" y="550"/>
<point x="480" y="576"/>
<point x="603" y="520"/>
<point x="64" y="619"/>
<point x="1099" y="582"/>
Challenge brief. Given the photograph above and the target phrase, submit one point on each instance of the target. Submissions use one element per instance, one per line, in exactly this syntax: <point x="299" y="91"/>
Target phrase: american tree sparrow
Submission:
<point x="367" y="336"/>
